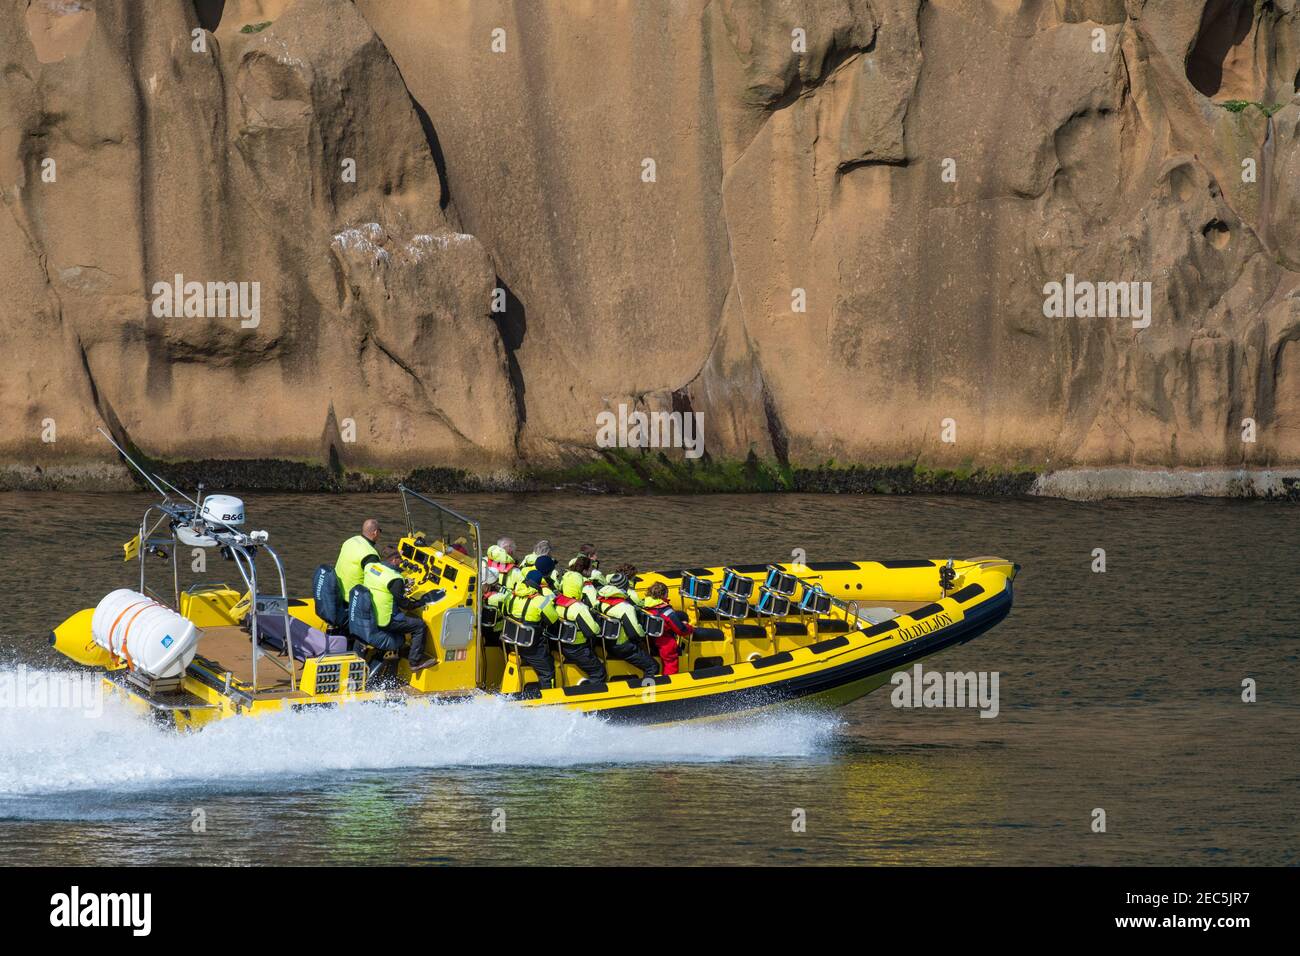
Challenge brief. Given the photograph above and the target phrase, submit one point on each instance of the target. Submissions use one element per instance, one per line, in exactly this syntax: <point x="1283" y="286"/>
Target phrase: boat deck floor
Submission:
<point x="228" y="648"/>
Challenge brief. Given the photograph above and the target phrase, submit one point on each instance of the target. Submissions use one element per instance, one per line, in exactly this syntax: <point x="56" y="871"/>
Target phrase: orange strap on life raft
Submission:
<point x="125" y="653"/>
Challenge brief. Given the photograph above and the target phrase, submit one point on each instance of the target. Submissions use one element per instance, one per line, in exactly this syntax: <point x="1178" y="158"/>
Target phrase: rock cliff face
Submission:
<point x="825" y="225"/>
<point x="225" y="163"/>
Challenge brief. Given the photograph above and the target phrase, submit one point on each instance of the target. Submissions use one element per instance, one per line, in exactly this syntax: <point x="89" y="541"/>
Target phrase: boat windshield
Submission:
<point x="443" y="529"/>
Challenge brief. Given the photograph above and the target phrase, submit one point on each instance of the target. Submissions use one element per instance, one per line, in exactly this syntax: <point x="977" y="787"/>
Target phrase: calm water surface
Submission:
<point x="1119" y="691"/>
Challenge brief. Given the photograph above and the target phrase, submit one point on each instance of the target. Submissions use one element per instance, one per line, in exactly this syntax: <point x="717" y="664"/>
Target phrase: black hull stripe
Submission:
<point x="978" y="620"/>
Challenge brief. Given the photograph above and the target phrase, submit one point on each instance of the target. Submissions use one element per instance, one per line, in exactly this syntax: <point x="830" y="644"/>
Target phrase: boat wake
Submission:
<point x="58" y="734"/>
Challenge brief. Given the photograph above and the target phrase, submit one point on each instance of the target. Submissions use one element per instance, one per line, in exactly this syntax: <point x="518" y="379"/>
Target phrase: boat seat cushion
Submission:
<point x="325" y="590"/>
<point x="831" y="625"/>
<point x="307" y="640"/>
<point x="361" y="619"/>
<point x="708" y="634"/>
<point x="790" y="628"/>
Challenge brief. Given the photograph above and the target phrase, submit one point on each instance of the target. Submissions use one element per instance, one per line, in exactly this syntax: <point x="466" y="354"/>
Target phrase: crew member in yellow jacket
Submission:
<point x="388" y="588"/>
<point x="348" y="568"/>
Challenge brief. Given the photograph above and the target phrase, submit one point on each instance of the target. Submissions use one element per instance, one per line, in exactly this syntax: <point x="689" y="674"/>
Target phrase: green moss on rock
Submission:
<point x="615" y="471"/>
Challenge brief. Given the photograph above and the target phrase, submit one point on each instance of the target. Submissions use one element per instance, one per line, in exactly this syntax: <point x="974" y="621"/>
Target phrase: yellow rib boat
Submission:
<point x="765" y="635"/>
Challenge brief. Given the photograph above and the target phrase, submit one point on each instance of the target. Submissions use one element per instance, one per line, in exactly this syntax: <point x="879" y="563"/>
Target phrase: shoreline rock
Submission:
<point x="1094" y="484"/>
<point x="631" y="474"/>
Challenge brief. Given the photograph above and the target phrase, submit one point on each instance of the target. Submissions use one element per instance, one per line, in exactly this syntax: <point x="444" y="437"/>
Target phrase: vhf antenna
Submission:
<point x="154" y="480"/>
<point x="132" y="462"/>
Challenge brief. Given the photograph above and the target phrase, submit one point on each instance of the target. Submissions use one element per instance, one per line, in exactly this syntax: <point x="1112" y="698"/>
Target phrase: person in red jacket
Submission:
<point x="676" y="626"/>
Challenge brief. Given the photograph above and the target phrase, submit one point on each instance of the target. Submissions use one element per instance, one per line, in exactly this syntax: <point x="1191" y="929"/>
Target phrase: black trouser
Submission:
<point x="538" y="657"/>
<point x="586" y="659"/>
<point x="630" y="651"/>
<point x="383" y="642"/>
<point x="401" y="625"/>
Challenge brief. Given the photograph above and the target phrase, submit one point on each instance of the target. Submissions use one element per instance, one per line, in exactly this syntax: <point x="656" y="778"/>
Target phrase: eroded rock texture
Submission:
<point x="915" y="171"/>
<point x="226" y="165"/>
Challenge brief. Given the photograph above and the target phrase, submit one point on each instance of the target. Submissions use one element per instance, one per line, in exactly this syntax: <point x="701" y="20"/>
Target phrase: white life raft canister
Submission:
<point x="151" y="637"/>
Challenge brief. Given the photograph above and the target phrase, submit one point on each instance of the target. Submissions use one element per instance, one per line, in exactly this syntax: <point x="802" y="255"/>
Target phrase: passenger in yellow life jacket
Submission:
<point x="617" y="606"/>
<point x="579" y="649"/>
<point x="592" y="573"/>
<point x="498" y="576"/>
<point x="529" y="606"/>
<point x="627" y="572"/>
<point x="388" y="593"/>
<point x="355" y="550"/>
<point x="545" y="565"/>
<point x="580" y="568"/>
<point x="495" y="596"/>
<point x="501" y="558"/>
<point x="540" y="550"/>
